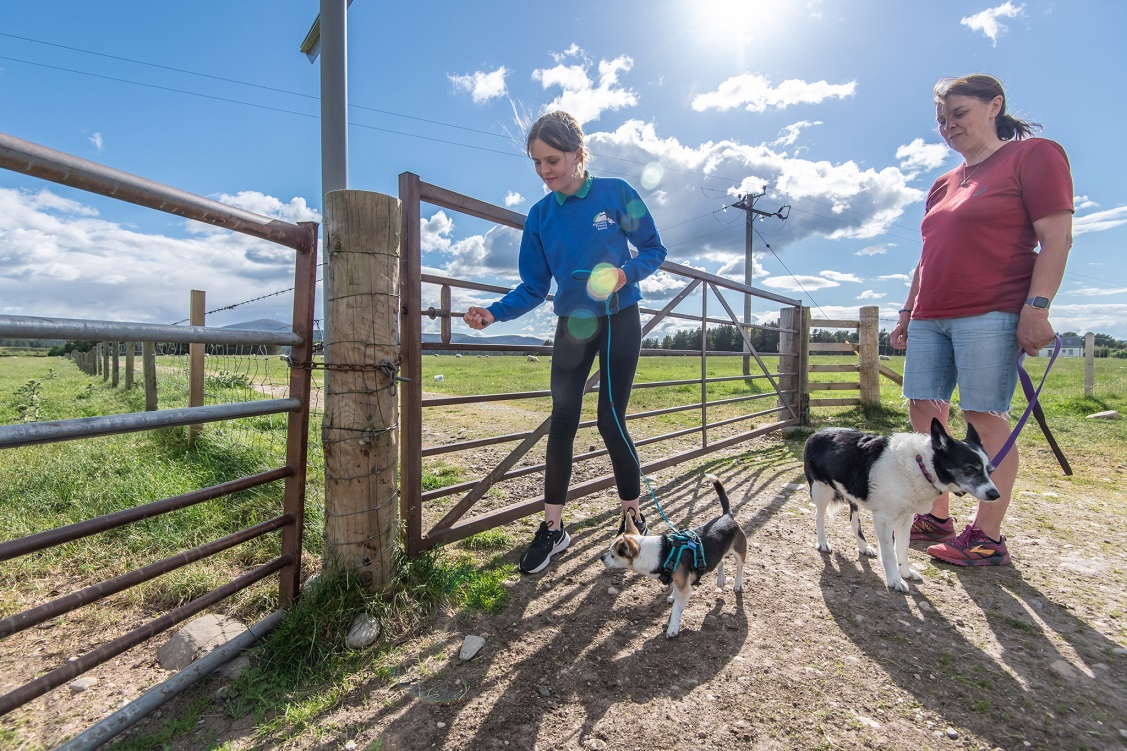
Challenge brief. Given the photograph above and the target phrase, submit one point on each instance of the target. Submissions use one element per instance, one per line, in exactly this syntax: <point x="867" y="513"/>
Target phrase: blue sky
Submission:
<point x="826" y="104"/>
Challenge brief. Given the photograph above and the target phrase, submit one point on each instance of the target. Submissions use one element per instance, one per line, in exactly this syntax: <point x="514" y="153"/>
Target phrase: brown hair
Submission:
<point x="985" y="88"/>
<point x="560" y="131"/>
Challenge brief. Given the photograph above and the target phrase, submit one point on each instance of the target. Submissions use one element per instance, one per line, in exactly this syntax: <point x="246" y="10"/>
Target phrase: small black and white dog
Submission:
<point x="669" y="558"/>
<point x="894" y="477"/>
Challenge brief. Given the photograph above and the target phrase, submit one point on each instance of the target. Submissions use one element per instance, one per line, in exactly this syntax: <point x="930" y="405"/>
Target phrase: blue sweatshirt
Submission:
<point x="565" y="234"/>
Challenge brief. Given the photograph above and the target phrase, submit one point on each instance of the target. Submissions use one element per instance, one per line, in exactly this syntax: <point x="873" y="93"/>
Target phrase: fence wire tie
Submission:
<point x="389" y="368"/>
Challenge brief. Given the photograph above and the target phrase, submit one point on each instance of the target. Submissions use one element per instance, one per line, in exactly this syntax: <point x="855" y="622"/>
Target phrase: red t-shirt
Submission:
<point x="979" y="246"/>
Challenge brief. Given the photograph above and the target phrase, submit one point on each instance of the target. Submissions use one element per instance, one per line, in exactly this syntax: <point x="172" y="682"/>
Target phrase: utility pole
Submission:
<point x="747" y="204"/>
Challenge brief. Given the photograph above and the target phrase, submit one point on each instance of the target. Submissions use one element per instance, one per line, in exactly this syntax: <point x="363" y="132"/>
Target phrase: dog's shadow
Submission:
<point x="1040" y="652"/>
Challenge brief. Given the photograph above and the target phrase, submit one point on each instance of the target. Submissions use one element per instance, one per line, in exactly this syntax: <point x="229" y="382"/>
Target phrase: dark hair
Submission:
<point x="985" y="88"/>
<point x="559" y="130"/>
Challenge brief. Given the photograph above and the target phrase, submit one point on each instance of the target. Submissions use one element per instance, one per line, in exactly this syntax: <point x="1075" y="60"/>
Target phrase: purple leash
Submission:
<point x="1034" y="407"/>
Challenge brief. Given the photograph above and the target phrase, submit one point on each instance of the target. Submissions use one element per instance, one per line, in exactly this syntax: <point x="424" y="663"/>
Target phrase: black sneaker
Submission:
<point x="545" y="544"/>
<point x="639" y="522"/>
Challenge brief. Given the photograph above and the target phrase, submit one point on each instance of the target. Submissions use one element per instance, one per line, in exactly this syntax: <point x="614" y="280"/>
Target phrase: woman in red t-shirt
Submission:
<point x="981" y="291"/>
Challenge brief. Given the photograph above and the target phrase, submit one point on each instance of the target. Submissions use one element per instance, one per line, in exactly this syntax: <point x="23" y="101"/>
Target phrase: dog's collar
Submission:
<point x="927" y="475"/>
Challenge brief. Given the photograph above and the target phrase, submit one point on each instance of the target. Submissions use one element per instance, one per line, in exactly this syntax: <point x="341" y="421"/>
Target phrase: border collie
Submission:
<point x="894" y="477"/>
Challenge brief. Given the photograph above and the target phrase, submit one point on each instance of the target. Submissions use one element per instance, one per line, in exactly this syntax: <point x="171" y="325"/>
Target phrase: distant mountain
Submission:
<point x="513" y="340"/>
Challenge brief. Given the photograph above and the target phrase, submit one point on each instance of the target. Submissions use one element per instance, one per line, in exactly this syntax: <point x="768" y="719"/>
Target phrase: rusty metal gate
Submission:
<point x="22" y="156"/>
<point x="454" y="523"/>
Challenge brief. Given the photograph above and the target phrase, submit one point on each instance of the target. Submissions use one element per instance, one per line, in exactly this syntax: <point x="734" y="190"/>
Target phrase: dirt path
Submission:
<point x="814" y="654"/>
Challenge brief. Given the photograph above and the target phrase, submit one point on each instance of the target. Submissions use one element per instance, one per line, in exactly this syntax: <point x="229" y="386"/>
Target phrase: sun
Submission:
<point x="723" y="24"/>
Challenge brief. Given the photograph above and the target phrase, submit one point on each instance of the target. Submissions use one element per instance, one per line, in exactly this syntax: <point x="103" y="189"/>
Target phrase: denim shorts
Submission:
<point x="977" y="353"/>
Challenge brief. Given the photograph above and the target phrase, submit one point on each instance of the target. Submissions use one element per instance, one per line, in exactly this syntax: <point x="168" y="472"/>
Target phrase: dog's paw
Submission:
<point x="669" y="599"/>
<point x="868" y="551"/>
<point x="912" y="575"/>
<point x="739" y="585"/>
<point x="671" y="633"/>
<point x="900" y="586"/>
<point x="823" y="547"/>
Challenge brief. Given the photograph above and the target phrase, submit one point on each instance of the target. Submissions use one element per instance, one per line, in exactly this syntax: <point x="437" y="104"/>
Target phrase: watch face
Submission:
<point x="1039" y="302"/>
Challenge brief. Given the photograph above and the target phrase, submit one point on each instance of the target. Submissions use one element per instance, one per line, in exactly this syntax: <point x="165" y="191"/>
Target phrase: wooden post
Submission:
<point x="868" y="351"/>
<point x="149" y="374"/>
<point x="129" y="347"/>
<point x="1089" y="363"/>
<point x="793" y="360"/>
<point x="196" y="360"/>
<point x="116" y="357"/>
<point x="105" y="361"/>
<point x="358" y="432"/>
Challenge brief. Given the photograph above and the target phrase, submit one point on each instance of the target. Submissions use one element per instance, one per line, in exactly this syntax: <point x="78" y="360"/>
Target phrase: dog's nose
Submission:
<point x="993" y="495"/>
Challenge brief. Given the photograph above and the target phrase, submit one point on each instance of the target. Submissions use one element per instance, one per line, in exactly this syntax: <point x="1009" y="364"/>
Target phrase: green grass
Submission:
<point x="303" y="668"/>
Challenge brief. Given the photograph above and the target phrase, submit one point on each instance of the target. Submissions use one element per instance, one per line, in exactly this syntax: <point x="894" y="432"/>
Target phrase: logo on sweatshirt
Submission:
<point x="602" y="221"/>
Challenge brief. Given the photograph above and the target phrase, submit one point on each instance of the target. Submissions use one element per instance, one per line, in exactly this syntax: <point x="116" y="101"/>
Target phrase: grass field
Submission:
<point x="43" y="487"/>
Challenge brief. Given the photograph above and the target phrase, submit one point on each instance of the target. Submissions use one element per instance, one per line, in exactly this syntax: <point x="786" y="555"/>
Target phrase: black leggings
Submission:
<point x="577" y="342"/>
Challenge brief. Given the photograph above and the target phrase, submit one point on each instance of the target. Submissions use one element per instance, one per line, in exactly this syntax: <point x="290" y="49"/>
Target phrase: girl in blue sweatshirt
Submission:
<point x="577" y="236"/>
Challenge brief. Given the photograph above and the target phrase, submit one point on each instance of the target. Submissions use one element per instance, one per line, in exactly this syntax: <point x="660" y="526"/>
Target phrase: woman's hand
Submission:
<point x="1034" y="330"/>
<point x="477" y="318"/>
<point x="621" y="281"/>
<point x="899" y="336"/>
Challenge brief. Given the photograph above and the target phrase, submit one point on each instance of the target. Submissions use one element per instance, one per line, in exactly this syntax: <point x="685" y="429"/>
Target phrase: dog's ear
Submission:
<point x="972" y="436"/>
<point x="629" y="527"/>
<point x="939" y="435"/>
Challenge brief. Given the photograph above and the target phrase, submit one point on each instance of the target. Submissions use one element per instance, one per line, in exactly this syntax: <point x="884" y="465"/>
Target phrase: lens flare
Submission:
<point x="582" y="325"/>
<point x="603" y="279"/>
<point x="652" y="174"/>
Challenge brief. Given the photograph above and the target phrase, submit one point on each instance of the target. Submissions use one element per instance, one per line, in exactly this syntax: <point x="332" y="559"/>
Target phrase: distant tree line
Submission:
<point x="724" y="338"/>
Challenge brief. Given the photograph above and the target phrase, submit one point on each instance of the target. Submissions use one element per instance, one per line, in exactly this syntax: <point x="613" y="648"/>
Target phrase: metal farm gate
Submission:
<point x="22" y="156"/>
<point x="784" y="404"/>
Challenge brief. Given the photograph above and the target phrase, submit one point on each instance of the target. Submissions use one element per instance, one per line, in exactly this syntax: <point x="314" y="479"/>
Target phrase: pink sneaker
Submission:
<point x="972" y="548"/>
<point x="927" y="527"/>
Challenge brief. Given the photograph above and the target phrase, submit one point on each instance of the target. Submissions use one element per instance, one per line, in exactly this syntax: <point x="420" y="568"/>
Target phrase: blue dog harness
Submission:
<point x="678" y="543"/>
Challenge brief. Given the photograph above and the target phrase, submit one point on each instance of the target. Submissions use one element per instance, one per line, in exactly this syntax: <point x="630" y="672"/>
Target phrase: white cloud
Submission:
<point x="1103" y="318"/>
<point x="1083" y="202"/>
<point x="897" y="277"/>
<point x="584" y="99"/>
<point x="1096" y="292"/>
<point x="917" y="155"/>
<point x="874" y="250"/>
<point x="871" y="295"/>
<point x="867" y="201"/>
<point x="839" y="276"/>
<point x="1100" y="221"/>
<point x="513" y="198"/>
<point x="61" y="259"/>
<point x="96" y="139"/>
<point x="482" y="86"/>
<point x="434" y="233"/>
<point x="789" y="134"/>
<point x="755" y="93"/>
<point x="798" y="283"/>
<point x="987" y="21"/>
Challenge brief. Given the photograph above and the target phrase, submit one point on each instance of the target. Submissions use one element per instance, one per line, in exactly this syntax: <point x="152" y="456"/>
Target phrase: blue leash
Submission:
<point x="694" y="542"/>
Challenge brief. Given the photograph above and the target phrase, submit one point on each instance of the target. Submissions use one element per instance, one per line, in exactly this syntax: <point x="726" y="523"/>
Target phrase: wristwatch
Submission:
<point x="1041" y="303"/>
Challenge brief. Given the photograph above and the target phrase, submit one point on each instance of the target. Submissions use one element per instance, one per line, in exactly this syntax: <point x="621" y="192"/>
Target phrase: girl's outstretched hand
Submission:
<point x="477" y="318"/>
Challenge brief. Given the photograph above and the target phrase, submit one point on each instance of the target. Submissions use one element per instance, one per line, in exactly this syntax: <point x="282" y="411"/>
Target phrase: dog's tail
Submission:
<point x="719" y="488"/>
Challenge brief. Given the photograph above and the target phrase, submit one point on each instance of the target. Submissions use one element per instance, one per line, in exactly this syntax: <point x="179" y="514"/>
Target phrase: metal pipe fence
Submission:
<point x="293" y="403"/>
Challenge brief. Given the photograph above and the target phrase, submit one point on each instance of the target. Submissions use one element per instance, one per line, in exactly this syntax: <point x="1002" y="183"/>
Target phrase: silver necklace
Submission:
<point x="966" y="177"/>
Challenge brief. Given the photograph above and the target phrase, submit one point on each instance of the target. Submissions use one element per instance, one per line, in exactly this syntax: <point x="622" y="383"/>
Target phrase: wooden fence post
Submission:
<point x="116" y="357"/>
<point x="359" y="429"/>
<point x="129" y="347"/>
<point x="196" y="360"/>
<point x="793" y="360"/>
<point x="149" y="374"/>
<point x="868" y="351"/>
<point x="1089" y="363"/>
<point x="105" y="361"/>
